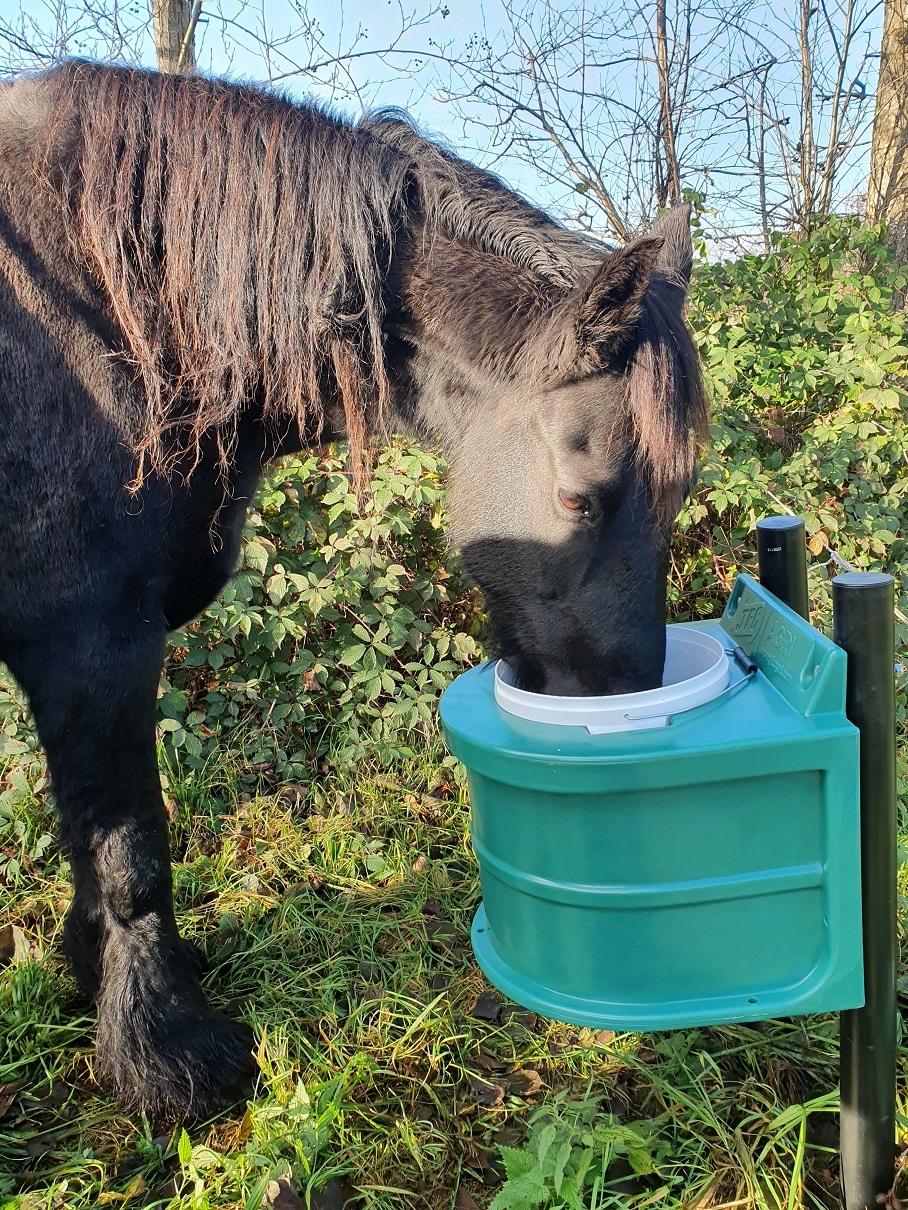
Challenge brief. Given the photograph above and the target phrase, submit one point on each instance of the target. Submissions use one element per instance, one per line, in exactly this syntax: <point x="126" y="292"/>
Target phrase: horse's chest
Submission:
<point x="196" y="577"/>
<point x="203" y="546"/>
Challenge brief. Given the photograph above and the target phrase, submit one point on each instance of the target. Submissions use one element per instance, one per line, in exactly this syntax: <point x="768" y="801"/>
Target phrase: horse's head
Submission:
<point x="565" y="486"/>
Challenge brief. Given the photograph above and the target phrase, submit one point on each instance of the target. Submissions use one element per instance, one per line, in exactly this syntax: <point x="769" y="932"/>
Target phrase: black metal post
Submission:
<point x="865" y="627"/>
<point x="782" y="556"/>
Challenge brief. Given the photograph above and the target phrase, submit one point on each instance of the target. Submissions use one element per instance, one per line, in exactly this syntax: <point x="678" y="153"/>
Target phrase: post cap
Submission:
<point x="781" y="523"/>
<point x="862" y="579"/>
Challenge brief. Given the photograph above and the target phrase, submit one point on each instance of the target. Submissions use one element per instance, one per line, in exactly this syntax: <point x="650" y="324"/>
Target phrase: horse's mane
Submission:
<point x="244" y="242"/>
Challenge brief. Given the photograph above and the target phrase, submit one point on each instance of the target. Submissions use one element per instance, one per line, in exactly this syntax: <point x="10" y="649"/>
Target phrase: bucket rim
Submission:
<point x="625" y="711"/>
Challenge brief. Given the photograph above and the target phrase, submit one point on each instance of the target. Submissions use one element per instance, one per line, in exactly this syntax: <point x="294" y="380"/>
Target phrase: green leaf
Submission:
<point x="562" y="1159"/>
<point x="517" y="1161"/>
<point x="352" y="655"/>
<point x="256" y="556"/>
<point x="522" y="1193"/>
<point x="184" y="1149"/>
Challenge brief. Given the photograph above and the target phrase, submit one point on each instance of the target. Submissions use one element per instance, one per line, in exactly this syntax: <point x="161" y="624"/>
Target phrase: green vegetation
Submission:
<point x="321" y="838"/>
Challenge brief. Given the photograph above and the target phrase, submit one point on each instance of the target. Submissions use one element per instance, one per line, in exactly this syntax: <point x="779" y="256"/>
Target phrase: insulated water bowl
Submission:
<point x="684" y="856"/>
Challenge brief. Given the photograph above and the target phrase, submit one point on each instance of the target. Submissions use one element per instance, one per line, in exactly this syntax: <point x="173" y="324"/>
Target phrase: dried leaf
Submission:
<point x="818" y="542"/>
<point x="518" y="1016"/>
<point x="525" y="1083"/>
<point x="509" y="1136"/>
<point x="465" y="1201"/>
<point x="491" y="1168"/>
<point x="485" y="1093"/>
<point x="136" y="1188"/>
<point x="487" y="1008"/>
<point x="423" y="1111"/>
<point x="441" y="932"/>
<point x="7" y="1096"/>
<point x="486" y="1061"/>
<point x="13" y="945"/>
<point x="280" y="1195"/>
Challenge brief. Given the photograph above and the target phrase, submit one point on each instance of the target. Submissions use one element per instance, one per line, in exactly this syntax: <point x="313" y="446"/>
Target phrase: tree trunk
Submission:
<point x="174" y="24"/>
<point x="887" y="189"/>
<point x="672" y="169"/>
<point x="807" y="147"/>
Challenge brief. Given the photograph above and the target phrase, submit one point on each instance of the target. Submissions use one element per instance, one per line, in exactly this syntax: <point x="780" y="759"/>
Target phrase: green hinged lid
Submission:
<point x="802" y="664"/>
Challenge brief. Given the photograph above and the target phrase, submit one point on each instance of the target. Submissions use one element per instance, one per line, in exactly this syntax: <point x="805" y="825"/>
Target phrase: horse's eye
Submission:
<point x="579" y="505"/>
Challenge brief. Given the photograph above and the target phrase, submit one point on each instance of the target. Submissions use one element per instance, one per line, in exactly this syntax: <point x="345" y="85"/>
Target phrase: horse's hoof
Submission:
<point x="187" y="1070"/>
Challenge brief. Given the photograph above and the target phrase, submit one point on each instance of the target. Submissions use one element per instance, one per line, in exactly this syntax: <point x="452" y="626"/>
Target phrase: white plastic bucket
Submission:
<point x="697" y="669"/>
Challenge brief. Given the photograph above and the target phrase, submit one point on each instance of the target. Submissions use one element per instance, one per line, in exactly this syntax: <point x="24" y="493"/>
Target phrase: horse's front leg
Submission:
<point x="83" y="928"/>
<point x="159" y="1045"/>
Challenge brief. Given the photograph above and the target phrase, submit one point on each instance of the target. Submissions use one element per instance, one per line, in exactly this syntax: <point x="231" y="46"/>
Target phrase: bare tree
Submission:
<point x="807" y="156"/>
<point x="668" y="191"/>
<point x="333" y="59"/>
<point x="41" y="34"/>
<point x="610" y="105"/>
<point x="625" y="104"/>
<point x="887" y="194"/>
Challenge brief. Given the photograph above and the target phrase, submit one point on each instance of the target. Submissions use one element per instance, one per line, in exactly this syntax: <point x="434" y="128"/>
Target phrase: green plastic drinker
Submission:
<point x="681" y="857"/>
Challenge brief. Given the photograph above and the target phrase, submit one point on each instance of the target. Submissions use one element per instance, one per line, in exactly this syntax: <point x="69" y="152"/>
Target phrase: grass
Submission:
<point x="336" y="921"/>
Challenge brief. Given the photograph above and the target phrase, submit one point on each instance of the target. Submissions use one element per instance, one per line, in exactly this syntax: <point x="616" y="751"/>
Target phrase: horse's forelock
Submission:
<point x="666" y="397"/>
<point x="667" y="400"/>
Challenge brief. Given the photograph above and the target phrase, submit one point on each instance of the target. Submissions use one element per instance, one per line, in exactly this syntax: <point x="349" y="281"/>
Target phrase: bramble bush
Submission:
<point x="808" y="369"/>
<point x="340" y="630"/>
<point x="807" y="364"/>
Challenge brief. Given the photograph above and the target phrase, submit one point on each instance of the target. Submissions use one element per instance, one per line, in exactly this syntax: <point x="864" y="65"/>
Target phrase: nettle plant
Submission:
<point x="339" y="631"/>
<point x="571" y="1157"/>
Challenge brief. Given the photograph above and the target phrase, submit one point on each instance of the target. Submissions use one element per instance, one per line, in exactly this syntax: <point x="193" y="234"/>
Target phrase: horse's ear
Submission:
<point x="677" y="256"/>
<point x="609" y="307"/>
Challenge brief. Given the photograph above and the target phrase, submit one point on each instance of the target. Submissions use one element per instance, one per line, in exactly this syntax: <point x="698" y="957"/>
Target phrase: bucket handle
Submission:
<point x="744" y="662"/>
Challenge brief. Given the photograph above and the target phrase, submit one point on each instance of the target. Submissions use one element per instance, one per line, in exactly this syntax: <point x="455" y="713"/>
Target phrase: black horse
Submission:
<point x="197" y="277"/>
